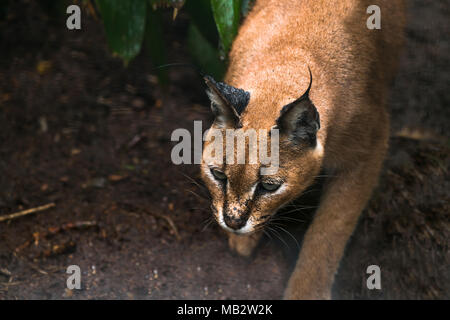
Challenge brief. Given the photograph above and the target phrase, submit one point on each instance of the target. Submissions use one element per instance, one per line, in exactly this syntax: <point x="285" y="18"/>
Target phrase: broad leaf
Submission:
<point x="204" y="54"/>
<point x="200" y="13"/>
<point x="155" y="44"/>
<point x="124" y="25"/>
<point x="246" y="6"/>
<point x="226" y="14"/>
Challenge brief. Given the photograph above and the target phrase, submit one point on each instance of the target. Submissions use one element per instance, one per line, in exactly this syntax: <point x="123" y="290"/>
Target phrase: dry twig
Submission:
<point x="26" y="212"/>
<point x="5" y="272"/>
<point x="171" y="224"/>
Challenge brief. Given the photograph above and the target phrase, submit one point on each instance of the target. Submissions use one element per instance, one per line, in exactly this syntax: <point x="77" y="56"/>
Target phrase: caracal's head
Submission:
<point x="251" y="172"/>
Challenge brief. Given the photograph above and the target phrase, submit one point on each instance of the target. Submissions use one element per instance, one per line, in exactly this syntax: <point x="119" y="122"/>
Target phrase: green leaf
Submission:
<point x="204" y="54"/>
<point x="200" y="13"/>
<point x="165" y="3"/>
<point x="155" y="44"/>
<point x="246" y="7"/>
<point x="124" y="25"/>
<point x="226" y="14"/>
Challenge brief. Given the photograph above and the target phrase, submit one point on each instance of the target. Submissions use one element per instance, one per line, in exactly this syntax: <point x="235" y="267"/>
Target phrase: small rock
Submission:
<point x="115" y="177"/>
<point x="43" y="124"/>
<point x="98" y="182"/>
<point x="138" y="103"/>
<point x="75" y="151"/>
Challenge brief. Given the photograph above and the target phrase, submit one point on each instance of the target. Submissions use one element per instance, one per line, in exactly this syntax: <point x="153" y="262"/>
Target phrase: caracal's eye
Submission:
<point x="219" y="175"/>
<point x="270" y="186"/>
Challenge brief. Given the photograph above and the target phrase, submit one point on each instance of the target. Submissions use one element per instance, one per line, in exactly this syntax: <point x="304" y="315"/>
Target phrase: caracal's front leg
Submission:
<point x="325" y="240"/>
<point x="244" y="244"/>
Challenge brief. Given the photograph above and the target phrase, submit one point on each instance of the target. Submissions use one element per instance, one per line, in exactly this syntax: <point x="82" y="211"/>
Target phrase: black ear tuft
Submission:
<point x="299" y="120"/>
<point x="228" y="102"/>
<point x="238" y="98"/>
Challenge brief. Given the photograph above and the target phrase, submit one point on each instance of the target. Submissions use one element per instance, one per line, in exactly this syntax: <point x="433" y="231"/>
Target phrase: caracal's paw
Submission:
<point x="302" y="293"/>
<point x="244" y="245"/>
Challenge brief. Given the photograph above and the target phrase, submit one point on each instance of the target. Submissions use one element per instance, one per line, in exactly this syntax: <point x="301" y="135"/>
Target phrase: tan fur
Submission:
<point x="351" y="68"/>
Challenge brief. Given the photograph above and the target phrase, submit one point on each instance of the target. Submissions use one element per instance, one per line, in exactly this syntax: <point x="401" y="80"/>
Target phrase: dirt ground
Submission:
<point x="79" y="130"/>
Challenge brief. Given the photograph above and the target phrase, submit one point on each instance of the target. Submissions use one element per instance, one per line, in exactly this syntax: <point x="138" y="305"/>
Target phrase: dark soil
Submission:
<point x="79" y="130"/>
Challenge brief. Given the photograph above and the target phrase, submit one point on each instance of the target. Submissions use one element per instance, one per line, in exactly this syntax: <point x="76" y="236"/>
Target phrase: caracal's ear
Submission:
<point x="227" y="102"/>
<point x="299" y="121"/>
